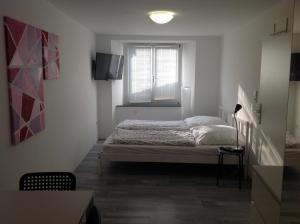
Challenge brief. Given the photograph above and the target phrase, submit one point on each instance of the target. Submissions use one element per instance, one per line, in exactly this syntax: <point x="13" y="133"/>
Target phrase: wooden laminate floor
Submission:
<point x="140" y="193"/>
<point x="290" y="198"/>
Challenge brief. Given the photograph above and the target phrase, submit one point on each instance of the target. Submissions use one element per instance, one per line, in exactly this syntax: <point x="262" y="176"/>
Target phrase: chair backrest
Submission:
<point x="48" y="181"/>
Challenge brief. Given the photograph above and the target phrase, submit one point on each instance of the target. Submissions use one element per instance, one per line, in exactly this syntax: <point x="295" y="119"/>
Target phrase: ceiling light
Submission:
<point x="161" y="17"/>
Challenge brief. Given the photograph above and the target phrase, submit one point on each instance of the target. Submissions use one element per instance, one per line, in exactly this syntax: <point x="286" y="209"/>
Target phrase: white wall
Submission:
<point x="188" y="78"/>
<point x="240" y="77"/>
<point x="207" y="80"/>
<point x="204" y="54"/>
<point x="148" y="113"/>
<point x="241" y="62"/>
<point x="240" y="73"/>
<point x="70" y="101"/>
<point x="104" y="105"/>
<point x="296" y="110"/>
<point x="293" y="121"/>
<point x="104" y="94"/>
<point x="292" y="106"/>
<point x="241" y="57"/>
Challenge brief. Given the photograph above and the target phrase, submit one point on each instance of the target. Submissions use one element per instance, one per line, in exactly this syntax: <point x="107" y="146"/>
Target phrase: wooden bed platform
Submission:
<point x="167" y="154"/>
<point x="292" y="157"/>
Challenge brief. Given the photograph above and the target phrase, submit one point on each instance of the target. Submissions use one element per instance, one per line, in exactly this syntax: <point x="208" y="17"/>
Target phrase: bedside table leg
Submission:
<point x="219" y="169"/>
<point x="240" y="170"/>
<point x="243" y="168"/>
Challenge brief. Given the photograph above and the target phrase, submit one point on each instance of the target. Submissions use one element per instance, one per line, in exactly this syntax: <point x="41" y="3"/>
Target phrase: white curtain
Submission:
<point x="140" y="74"/>
<point x="166" y="78"/>
<point x="153" y="73"/>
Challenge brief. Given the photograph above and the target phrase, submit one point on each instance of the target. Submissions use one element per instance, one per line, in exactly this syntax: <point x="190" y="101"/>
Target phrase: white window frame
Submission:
<point x="127" y="83"/>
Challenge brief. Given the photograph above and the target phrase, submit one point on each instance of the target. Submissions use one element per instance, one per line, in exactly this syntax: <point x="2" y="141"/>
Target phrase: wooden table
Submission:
<point x="44" y="207"/>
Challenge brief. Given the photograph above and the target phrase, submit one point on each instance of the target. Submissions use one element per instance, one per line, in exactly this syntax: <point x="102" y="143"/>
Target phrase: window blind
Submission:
<point x="153" y="74"/>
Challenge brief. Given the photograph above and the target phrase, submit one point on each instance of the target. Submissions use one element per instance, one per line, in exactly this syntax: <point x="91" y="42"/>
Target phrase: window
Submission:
<point x="153" y="74"/>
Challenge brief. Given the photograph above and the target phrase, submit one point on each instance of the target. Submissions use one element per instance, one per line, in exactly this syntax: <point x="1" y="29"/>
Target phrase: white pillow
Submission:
<point x="216" y="135"/>
<point x="203" y="120"/>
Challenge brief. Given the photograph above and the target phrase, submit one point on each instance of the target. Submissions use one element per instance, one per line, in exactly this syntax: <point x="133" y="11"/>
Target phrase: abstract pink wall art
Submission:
<point x="50" y="55"/>
<point x="25" y="79"/>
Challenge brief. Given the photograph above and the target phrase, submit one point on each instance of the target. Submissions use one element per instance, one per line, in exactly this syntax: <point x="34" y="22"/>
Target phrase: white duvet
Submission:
<point x="153" y="125"/>
<point x="199" y="130"/>
<point x="153" y="137"/>
<point x="216" y="135"/>
<point x="291" y="142"/>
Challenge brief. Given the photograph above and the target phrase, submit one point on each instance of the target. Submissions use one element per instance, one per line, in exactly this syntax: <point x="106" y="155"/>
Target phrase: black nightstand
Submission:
<point x="231" y="152"/>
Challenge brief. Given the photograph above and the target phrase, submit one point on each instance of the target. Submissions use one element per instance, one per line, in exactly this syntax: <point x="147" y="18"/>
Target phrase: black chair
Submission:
<point x="48" y="181"/>
<point x="55" y="181"/>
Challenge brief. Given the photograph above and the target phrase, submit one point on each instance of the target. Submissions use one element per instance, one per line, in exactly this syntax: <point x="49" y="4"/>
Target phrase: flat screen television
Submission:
<point x="295" y="67"/>
<point x="108" y="66"/>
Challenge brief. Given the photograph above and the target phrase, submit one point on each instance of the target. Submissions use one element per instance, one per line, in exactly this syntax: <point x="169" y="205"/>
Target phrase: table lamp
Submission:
<point x="238" y="107"/>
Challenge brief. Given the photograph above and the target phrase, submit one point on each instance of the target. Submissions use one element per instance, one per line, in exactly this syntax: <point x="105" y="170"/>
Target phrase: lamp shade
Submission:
<point x="237" y="108"/>
<point x="161" y="17"/>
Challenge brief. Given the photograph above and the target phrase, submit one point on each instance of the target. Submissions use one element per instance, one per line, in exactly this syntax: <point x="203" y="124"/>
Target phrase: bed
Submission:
<point x="130" y="143"/>
<point x="292" y="157"/>
<point x="292" y="151"/>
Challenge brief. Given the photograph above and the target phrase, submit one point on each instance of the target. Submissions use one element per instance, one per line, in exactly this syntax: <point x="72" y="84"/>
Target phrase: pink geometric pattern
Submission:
<point x="25" y="79"/>
<point x="50" y="55"/>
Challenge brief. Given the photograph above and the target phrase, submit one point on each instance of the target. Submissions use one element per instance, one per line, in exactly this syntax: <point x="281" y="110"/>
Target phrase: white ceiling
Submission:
<point x="193" y="17"/>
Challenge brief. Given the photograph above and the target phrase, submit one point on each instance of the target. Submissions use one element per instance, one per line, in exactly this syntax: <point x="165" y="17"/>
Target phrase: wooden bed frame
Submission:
<point x="173" y="154"/>
<point x="292" y="157"/>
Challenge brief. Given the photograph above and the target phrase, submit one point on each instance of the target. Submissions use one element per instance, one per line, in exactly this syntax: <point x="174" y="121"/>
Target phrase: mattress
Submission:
<point x="153" y="137"/>
<point x="153" y="125"/>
